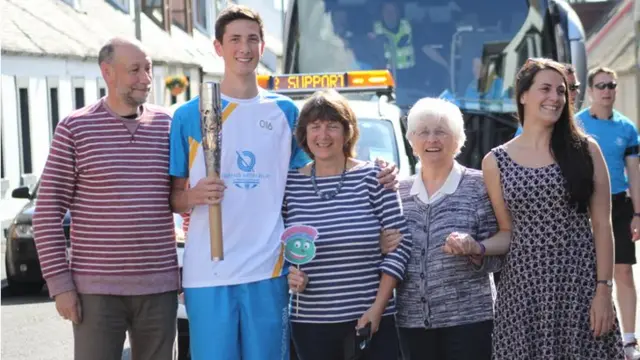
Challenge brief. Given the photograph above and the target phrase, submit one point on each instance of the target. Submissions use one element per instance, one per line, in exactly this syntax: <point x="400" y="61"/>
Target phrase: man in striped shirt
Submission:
<point x="108" y="165"/>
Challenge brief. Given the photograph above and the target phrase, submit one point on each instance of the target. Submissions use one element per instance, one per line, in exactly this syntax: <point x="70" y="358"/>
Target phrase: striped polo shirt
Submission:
<point x="345" y="274"/>
<point x="116" y="185"/>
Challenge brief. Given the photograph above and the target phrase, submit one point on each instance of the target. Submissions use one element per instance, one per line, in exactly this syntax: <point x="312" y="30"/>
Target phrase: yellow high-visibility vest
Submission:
<point x="405" y="57"/>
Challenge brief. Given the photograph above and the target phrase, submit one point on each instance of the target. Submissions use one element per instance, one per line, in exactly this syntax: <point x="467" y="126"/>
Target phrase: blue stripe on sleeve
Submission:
<point x="298" y="157"/>
<point x="179" y="140"/>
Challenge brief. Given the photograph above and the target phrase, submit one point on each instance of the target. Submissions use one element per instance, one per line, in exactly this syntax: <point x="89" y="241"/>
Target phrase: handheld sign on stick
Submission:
<point x="299" y="247"/>
<point x="211" y="125"/>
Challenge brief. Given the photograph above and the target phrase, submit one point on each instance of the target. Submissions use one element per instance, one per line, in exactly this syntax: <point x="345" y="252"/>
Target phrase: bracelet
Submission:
<point x="636" y="214"/>
<point x="609" y="283"/>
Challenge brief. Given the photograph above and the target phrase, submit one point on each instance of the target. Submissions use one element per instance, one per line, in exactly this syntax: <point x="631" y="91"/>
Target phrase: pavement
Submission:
<point x="31" y="329"/>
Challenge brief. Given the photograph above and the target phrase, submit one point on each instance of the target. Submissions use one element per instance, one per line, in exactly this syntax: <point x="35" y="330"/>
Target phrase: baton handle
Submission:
<point x="215" y="227"/>
<point x="215" y="231"/>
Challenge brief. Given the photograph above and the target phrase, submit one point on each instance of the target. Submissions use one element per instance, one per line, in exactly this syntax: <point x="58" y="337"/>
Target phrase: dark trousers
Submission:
<point x="149" y="319"/>
<point x="621" y="217"/>
<point x="331" y="341"/>
<point x="464" y="342"/>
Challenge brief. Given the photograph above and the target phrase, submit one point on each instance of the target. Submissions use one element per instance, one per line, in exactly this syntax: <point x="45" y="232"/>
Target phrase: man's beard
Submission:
<point x="131" y="100"/>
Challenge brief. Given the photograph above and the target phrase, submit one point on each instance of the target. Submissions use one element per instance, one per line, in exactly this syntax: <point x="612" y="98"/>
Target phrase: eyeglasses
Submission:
<point x="601" y="86"/>
<point x="424" y="134"/>
<point x="574" y="87"/>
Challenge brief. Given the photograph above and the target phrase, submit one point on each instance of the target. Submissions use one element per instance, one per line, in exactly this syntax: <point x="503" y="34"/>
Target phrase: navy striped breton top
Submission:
<point x="345" y="274"/>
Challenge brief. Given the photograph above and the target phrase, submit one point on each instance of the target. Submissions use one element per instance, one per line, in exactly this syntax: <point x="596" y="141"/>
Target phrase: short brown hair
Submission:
<point x="599" y="70"/>
<point x="236" y="12"/>
<point x="331" y="106"/>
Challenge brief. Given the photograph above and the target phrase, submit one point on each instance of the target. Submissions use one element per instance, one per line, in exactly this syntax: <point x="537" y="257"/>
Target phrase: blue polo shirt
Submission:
<point x="618" y="138"/>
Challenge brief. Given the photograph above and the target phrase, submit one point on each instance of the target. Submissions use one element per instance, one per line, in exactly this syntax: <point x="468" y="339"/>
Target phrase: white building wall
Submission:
<point x="606" y="52"/>
<point x="90" y="90"/>
<point x="157" y="91"/>
<point x="65" y="97"/>
<point x="10" y="143"/>
<point x="194" y="83"/>
<point x="627" y="98"/>
<point x="39" y="126"/>
<point x="10" y="132"/>
<point x="41" y="66"/>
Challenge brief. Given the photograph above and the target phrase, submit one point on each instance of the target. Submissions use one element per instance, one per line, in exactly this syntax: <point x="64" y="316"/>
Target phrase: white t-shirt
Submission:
<point x="257" y="152"/>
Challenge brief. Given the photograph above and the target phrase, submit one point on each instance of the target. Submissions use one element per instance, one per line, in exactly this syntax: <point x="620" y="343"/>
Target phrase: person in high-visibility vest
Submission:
<point x="398" y="33"/>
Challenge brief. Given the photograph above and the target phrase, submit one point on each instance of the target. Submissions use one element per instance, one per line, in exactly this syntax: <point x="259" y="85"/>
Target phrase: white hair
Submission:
<point x="435" y="110"/>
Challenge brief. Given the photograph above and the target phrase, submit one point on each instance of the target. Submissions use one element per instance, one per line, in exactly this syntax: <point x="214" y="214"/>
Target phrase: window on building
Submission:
<point x="200" y="16"/>
<point x="53" y="108"/>
<point x="158" y="11"/>
<point x="25" y="130"/>
<point x="181" y="15"/>
<point x="103" y="92"/>
<point x="78" y="95"/>
<point x="120" y="4"/>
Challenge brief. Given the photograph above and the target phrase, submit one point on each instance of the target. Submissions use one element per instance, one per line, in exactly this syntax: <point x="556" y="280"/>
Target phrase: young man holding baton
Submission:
<point x="238" y="307"/>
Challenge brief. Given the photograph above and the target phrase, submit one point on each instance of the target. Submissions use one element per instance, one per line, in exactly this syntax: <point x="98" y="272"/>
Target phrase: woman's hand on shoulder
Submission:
<point x="388" y="176"/>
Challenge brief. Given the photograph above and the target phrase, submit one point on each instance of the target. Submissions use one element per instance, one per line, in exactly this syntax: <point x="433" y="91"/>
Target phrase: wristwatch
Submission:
<point x="636" y="214"/>
<point x="609" y="283"/>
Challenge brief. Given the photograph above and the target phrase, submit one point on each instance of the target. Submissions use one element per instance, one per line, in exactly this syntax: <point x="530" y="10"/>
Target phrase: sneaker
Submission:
<point x="631" y="351"/>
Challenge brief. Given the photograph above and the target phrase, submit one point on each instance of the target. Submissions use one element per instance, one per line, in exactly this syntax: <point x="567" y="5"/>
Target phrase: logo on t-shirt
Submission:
<point x="246" y="178"/>
<point x="246" y="161"/>
<point x="619" y="141"/>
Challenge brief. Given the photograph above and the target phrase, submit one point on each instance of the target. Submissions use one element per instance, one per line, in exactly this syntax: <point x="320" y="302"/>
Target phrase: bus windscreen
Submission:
<point x="457" y="50"/>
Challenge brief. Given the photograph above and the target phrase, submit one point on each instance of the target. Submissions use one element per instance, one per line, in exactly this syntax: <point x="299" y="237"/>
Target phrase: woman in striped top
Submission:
<point x="350" y="282"/>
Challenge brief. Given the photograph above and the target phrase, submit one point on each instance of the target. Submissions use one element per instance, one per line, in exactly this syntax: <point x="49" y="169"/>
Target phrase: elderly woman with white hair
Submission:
<point x="445" y="305"/>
